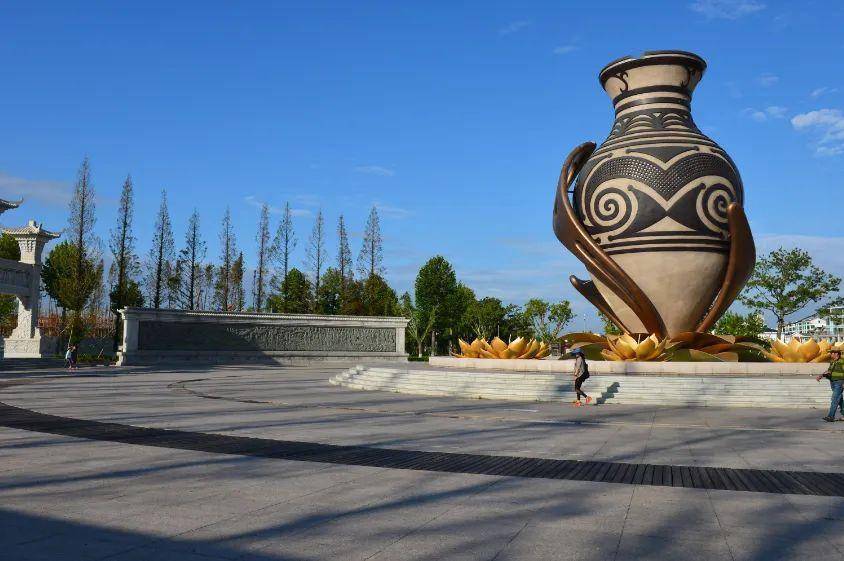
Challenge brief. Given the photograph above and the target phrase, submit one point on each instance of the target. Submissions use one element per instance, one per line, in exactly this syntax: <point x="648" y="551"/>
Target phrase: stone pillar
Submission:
<point x="129" y="344"/>
<point x="26" y="341"/>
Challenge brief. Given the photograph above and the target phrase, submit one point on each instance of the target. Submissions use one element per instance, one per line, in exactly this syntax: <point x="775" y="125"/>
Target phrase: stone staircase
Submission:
<point x="470" y="385"/>
<point x="787" y="392"/>
<point x="722" y="392"/>
<point x="26" y="364"/>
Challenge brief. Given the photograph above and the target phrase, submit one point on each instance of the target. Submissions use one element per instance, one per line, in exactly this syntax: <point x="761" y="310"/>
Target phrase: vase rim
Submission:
<point x="649" y="58"/>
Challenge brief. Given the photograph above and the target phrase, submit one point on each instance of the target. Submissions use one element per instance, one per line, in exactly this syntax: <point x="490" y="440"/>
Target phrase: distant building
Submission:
<point x="830" y="327"/>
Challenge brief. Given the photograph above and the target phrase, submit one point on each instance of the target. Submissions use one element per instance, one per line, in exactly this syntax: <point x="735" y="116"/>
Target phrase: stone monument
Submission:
<point x="159" y="336"/>
<point x="656" y="212"/>
<point x="23" y="279"/>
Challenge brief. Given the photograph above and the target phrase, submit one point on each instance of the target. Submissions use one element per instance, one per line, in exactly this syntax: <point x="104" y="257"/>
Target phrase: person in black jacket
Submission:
<point x="581" y="374"/>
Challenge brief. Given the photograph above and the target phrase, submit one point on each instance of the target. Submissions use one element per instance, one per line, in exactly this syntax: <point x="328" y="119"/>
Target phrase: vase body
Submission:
<point x="654" y="194"/>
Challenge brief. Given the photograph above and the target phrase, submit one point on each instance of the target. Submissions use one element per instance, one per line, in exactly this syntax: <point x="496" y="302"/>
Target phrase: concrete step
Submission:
<point x="645" y="390"/>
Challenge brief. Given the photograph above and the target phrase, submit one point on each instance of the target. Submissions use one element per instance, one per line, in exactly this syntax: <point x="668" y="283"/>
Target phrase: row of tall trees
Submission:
<point x="184" y="278"/>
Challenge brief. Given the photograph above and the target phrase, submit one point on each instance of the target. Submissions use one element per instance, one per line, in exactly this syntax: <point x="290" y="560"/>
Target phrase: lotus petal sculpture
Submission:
<point x="656" y="212"/>
<point x="795" y="351"/>
<point x="689" y="346"/>
<point x="498" y="349"/>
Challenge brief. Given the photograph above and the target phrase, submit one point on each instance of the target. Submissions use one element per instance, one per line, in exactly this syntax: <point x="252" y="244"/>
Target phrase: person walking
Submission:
<point x="68" y="357"/>
<point x="581" y="374"/>
<point x="74" y="356"/>
<point x="835" y="375"/>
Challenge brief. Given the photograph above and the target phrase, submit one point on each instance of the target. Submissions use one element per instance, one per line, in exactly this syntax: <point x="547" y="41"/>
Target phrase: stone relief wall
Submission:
<point x="204" y="336"/>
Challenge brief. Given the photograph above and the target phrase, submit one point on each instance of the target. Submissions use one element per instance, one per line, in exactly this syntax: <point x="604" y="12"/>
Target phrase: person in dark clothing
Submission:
<point x="74" y="356"/>
<point x="835" y="375"/>
<point x="581" y="374"/>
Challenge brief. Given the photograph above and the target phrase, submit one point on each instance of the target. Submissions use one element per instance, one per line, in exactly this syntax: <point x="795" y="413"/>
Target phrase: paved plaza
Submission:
<point x="65" y="497"/>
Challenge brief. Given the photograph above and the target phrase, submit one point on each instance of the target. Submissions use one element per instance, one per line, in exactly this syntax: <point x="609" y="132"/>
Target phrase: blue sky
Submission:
<point x="452" y="118"/>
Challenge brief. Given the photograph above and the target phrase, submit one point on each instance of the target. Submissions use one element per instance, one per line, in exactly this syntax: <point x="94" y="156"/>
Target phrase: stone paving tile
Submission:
<point x="137" y="502"/>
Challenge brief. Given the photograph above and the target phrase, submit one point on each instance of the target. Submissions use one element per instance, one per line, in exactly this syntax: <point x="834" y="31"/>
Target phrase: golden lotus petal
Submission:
<point x="507" y="353"/>
<point x="794" y="344"/>
<point x="464" y="346"/>
<point x="823" y="357"/>
<point x="645" y="348"/>
<point x="533" y="348"/>
<point x="631" y="342"/>
<point x="609" y="355"/>
<point x="624" y="349"/>
<point x="518" y="345"/>
<point x="487" y="354"/>
<point x="810" y="349"/>
<point x="477" y="345"/>
<point x="728" y="357"/>
<point x="498" y="345"/>
<point x="486" y="346"/>
<point x="660" y="348"/>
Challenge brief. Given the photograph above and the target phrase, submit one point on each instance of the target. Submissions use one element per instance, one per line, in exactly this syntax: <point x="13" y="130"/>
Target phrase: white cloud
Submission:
<point x="252" y="200"/>
<point x="726" y="9"/>
<point x="392" y="211"/>
<point x="565" y="49"/>
<point x="55" y="193"/>
<point x="767" y="80"/>
<point x="829" y="123"/>
<point x="818" y="92"/>
<point x="763" y="115"/>
<point x="513" y="27"/>
<point x="376" y="170"/>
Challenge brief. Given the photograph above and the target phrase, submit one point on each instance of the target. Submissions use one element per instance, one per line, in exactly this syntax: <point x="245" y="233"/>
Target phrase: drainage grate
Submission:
<point x="752" y="480"/>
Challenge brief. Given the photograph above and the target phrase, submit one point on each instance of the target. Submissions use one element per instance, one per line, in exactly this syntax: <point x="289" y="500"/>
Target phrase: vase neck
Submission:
<point x="656" y="79"/>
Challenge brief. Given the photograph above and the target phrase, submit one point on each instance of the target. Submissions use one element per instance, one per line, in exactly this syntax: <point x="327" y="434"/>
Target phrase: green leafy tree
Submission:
<point x="62" y="282"/>
<point x="330" y="291"/>
<point x="295" y="296"/>
<point x="419" y="326"/>
<point x="9" y="249"/>
<point x="786" y="281"/>
<point x="434" y="289"/>
<point x="609" y="327"/>
<point x="378" y="298"/>
<point x="747" y="325"/>
<point x="547" y="320"/>
<point x="485" y="317"/>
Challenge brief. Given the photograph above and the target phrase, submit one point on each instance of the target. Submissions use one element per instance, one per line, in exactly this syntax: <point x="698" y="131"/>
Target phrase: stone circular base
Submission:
<point x="670" y="387"/>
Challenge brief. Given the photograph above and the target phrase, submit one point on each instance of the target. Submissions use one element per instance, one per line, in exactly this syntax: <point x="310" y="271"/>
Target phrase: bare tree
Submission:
<point x="344" y="253"/>
<point x="283" y="245"/>
<point x="228" y="249"/>
<point x="125" y="264"/>
<point x="191" y="257"/>
<point x="160" y="254"/>
<point x="81" y="228"/>
<point x="264" y="256"/>
<point x="370" y="258"/>
<point x="238" y="293"/>
<point x="316" y="251"/>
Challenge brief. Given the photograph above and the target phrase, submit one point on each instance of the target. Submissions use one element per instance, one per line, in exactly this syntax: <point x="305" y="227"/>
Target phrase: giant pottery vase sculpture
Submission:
<point x="656" y="212"/>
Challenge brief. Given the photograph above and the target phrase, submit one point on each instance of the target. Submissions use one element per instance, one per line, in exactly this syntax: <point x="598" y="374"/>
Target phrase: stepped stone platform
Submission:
<point x="672" y="384"/>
